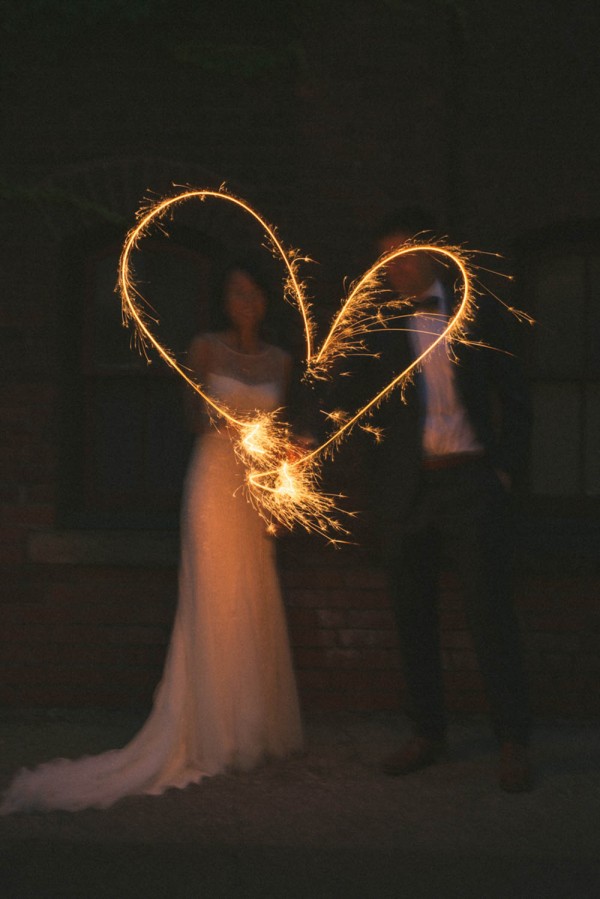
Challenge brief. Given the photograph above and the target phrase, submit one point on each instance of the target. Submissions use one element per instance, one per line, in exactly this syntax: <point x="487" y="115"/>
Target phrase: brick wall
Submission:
<point x="96" y="635"/>
<point x="324" y="144"/>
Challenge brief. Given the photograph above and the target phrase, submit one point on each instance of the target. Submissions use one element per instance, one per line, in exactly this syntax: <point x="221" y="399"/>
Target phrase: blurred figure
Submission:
<point x="443" y="477"/>
<point x="227" y="698"/>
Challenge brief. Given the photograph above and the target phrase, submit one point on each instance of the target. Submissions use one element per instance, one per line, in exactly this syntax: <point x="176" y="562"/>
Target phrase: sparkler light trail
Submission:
<point x="284" y="482"/>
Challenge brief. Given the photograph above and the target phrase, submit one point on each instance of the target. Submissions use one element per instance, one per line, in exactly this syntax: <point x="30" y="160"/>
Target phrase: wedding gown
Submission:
<point x="227" y="698"/>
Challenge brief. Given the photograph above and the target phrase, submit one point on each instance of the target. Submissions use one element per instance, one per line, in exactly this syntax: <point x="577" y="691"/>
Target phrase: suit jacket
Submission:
<point x="492" y="385"/>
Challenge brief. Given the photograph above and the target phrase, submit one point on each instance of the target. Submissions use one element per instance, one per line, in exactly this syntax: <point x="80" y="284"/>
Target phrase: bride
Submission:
<point x="227" y="698"/>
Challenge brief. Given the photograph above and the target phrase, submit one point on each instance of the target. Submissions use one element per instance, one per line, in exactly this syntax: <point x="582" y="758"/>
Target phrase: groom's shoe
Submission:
<point x="419" y="752"/>
<point x="514" y="775"/>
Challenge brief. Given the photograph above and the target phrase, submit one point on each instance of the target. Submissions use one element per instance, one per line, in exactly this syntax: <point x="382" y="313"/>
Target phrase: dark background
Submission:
<point x="325" y="116"/>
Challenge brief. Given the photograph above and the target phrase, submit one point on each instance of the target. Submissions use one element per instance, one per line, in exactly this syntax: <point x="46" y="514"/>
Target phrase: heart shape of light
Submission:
<point x="283" y="481"/>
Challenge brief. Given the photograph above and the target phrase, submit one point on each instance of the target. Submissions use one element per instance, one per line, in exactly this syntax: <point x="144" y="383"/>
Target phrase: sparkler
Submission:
<point x="284" y="482"/>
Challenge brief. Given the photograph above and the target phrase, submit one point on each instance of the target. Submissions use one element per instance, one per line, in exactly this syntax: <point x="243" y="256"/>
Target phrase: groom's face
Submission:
<point x="408" y="275"/>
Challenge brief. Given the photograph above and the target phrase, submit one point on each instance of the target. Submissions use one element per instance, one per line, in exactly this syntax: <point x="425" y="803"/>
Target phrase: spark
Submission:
<point x="362" y="313"/>
<point x="284" y="479"/>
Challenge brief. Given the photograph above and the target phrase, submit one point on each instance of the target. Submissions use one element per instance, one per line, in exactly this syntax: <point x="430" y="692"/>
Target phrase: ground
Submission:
<point x="327" y="823"/>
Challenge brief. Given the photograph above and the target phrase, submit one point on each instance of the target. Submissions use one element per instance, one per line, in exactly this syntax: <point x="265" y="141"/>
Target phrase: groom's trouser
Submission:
<point x="461" y="517"/>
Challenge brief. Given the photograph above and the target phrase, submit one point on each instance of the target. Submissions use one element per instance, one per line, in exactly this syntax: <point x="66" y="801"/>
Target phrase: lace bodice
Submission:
<point x="241" y="382"/>
<point x="242" y="398"/>
<point x="268" y="366"/>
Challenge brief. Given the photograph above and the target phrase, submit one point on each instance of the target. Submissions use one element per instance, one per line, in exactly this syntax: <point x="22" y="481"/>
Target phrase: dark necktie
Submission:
<point x="429" y="305"/>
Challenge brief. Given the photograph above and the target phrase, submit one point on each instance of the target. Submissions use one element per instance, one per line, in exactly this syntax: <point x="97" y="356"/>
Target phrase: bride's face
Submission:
<point x="245" y="302"/>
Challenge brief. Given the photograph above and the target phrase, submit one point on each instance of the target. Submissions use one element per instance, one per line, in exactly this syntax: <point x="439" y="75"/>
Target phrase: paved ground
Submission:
<point x="326" y="824"/>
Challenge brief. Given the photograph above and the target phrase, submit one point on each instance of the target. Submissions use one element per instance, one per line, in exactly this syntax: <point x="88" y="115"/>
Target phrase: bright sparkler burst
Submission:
<point x="283" y="481"/>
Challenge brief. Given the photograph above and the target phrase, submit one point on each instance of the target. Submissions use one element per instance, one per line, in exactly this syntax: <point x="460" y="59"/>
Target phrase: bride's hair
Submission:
<point x="256" y="271"/>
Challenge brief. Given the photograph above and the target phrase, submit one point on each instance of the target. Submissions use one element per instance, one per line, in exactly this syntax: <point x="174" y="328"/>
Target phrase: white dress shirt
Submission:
<point x="447" y="429"/>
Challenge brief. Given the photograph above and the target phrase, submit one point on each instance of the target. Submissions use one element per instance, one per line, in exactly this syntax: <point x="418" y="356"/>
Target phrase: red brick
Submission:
<point x="332" y="617"/>
<point x="456" y="640"/>
<point x="558" y="622"/>
<point x="368" y="599"/>
<point x="13" y="553"/>
<point x="300" y="617"/>
<point x="451" y="600"/>
<point x="373" y="657"/>
<point x="24" y="394"/>
<point x="322" y="701"/>
<point x="555" y="642"/>
<point x="108" y="656"/>
<point x="321" y="578"/>
<point x="27" y="515"/>
<point x="90" y="676"/>
<point x="317" y="659"/>
<point x="590" y="643"/>
<point x="312" y="637"/>
<point x="74" y="695"/>
<point x="459" y="682"/>
<point x="449" y="581"/>
<point x="12" y="535"/>
<point x="367" y="579"/>
<point x="533" y="659"/>
<point x="85" y="634"/>
<point x="568" y="697"/>
<point x="531" y="602"/>
<point x="363" y="658"/>
<point x="471" y="702"/>
<point x="371" y="618"/>
<point x="460" y="660"/>
<point x="557" y="661"/>
<point x="363" y="637"/>
<point x="559" y="592"/>
<point x="318" y="598"/>
<point x="452" y="619"/>
<point x="119" y="594"/>
<point x="349" y="679"/>
<point x="40" y="493"/>
<point x="585" y="593"/>
<point x="71" y="612"/>
<point x="10" y="492"/>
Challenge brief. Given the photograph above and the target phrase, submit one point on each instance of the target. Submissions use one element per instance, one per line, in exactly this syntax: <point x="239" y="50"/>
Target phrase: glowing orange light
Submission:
<point x="283" y="481"/>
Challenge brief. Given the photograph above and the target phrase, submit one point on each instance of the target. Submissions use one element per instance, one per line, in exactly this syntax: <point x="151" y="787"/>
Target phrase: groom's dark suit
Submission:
<point x="491" y="384"/>
<point x="457" y="506"/>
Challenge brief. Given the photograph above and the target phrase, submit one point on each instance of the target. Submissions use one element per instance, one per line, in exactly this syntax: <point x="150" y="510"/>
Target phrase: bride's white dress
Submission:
<point x="227" y="698"/>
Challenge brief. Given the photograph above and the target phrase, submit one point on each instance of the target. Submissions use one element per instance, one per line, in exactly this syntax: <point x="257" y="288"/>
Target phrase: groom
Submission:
<point x="443" y="475"/>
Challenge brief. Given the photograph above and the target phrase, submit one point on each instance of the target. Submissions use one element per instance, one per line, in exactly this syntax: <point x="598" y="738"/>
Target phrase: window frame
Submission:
<point x="564" y="531"/>
<point x="78" y="505"/>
